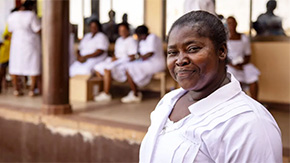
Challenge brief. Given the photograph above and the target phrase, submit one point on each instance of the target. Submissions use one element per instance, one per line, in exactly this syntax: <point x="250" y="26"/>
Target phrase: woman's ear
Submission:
<point x="223" y="52"/>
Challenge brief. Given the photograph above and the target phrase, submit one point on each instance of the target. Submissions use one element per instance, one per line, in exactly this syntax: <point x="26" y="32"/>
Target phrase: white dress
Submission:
<point x="226" y="126"/>
<point x="237" y="50"/>
<point x="25" y="51"/>
<point x="89" y="45"/>
<point x="140" y="70"/>
<point x="123" y="48"/>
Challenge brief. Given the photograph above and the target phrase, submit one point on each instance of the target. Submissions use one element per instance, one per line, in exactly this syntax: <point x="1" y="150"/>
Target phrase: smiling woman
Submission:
<point x="208" y="119"/>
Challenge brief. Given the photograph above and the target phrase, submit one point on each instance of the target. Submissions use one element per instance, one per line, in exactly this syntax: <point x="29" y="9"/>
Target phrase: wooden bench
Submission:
<point x="161" y="76"/>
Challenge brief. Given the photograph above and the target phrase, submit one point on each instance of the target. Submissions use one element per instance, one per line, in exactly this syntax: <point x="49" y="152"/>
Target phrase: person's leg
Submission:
<point x="33" y="85"/>
<point x="105" y="95"/>
<point x="15" y="82"/>
<point x="133" y="86"/>
<point x="4" y="82"/>
<point x="134" y="95"/>
<point x="254" y="90"/>
<point x="39" y="84"/>
<point x="1" y="77"/>
<point x="99" y="75"/>
<point x="107" y="81"/>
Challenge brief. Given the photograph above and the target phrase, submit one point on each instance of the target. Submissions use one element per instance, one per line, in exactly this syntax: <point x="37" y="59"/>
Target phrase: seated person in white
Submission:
<point x="149" y="60"/>
<point x="92" y="50"/>
<point x="125" y="46"/>
<point x="239" y="59"/>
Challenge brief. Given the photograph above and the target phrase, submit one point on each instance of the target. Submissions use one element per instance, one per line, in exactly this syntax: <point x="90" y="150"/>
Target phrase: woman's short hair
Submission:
<point x="28" y="4"/>
<point x="205" y="24"/>
<point x="126" y="25"/>
<point x="142" y="29"/>
<point x="97" y="23"/>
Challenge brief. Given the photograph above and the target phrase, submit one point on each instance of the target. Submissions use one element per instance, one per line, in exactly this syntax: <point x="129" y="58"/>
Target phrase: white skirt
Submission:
<point x="117" y="68"/>
<point x="142" y="71"/>
<point x="78" y="68"/>
<point x="248" y="75"/>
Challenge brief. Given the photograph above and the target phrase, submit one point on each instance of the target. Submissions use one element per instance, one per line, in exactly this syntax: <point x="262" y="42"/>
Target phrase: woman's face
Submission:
<point x="141" y="37"/>
<point x="192" y="60"/>
<point x="123" y="31"/>
<point x="232" y="25"/>
<point x="94" y="28"/>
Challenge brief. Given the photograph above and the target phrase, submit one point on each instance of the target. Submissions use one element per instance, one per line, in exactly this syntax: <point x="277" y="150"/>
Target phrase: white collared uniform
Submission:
<point x="89" y="45"/>
<point x="238" y="49"/>
<point x="25" y="51"/>
<point x="123" y="48"/>
<point x="226" y="126"/>
<point x="141" y="71"/>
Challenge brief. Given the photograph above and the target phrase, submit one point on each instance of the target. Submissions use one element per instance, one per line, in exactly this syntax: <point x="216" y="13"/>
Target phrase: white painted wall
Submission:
<point x="5" y="7"/>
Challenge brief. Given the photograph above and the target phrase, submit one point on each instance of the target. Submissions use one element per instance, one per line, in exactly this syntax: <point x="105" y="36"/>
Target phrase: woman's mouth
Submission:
<point x="184" y="73"/>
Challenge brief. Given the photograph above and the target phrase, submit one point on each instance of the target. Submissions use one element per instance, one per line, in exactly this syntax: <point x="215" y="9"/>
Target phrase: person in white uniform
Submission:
<point x="25" y="50"/>
<point x="210" y="118"/>
<point x="149" y="60"/>
<point x="92" y="50"/>
<point x="239" y="59"/>
<point x="125" y="47"/>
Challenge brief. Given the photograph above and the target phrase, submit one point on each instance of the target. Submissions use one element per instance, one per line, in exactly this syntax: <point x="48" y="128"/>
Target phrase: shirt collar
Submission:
<point x="216" y="98"/>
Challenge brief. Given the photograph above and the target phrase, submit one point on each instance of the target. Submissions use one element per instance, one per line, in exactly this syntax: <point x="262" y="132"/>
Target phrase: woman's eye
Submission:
<point x="193" y="49"/>
<point x="172" y="53"/>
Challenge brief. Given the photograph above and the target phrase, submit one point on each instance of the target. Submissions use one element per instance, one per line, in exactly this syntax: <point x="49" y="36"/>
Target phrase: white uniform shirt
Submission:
<point x="153" y="43"/>
<point x="25" y="51"/>
<point x="226" y="126"/>
<point x="89" y="45"/>
<point x="141" y="71"/>
<point x="125" y="47"/>
<point x="238" y="49"/>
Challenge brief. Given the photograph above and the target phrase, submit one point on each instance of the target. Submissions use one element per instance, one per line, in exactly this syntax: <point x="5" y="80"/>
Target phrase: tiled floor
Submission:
<point x="137" y="114"/>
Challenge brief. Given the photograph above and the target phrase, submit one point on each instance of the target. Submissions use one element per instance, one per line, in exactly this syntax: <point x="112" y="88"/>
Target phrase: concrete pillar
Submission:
<point x="55" y="35"/>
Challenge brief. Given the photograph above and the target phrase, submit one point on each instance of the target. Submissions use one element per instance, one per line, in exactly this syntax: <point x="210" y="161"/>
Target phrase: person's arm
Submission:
<point x="95" y="54"/>
<point x="36" y="24"/>
<point x="78" y="56"/>
<point x="246" y="60"/>
<point x="114" y="58"/>
<point x="146" y="56"/>
<point x="138" y="56"/>
<point x="83" y="59"/>
<point x="134" y="57"/>
<point x="247" y="52"/>
<point x="245" y="137"/>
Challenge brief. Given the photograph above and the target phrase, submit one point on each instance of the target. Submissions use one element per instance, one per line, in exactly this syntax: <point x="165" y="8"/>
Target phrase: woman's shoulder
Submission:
<point x="89" y="34"/>
<point x="101" y="35"/>
<point x="242" y="110"/>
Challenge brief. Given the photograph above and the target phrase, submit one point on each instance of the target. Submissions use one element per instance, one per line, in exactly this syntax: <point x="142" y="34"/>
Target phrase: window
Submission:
<point x="240" y="9"/>
<point x="134" y="9"/>
<point x="79" y="9"/>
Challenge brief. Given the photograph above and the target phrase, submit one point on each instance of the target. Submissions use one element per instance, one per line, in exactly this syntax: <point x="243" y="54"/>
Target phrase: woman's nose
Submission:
<point x="182" y="60"/>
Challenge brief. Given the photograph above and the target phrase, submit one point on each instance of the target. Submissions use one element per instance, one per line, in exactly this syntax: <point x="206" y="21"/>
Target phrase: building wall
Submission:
<point x="273" y="60"/>
<point x="153" y="16"/>
<point x="5" y="7"/>
<point x="27" y="142"/>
